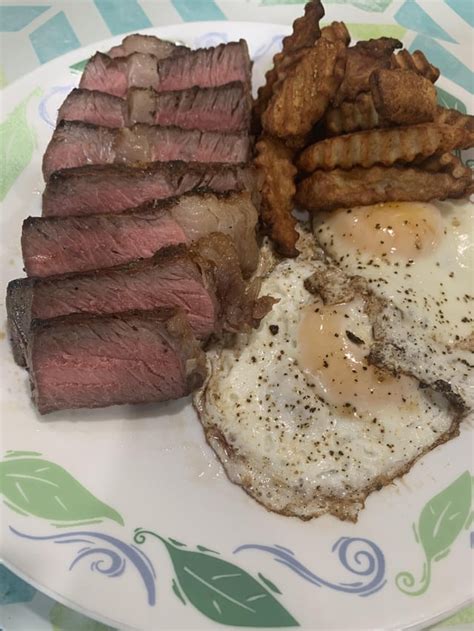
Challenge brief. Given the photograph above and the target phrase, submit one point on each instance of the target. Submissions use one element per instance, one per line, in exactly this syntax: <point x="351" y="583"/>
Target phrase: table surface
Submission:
<point x="34" y="32"/>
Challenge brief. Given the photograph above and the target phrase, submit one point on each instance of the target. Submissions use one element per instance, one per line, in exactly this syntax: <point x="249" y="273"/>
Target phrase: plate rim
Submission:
<point x="68" y="59"/>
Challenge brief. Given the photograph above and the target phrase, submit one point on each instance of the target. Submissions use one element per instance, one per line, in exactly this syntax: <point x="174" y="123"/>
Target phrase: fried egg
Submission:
<point x="418" y="255"/>
<point x="295" y="412"/>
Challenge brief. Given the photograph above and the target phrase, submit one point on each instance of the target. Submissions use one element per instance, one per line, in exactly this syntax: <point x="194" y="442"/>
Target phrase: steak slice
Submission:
<point x="95" y="108"/>
<point x="76" y="144"/>
<point x="58" y="245"/>
<point x="203" y="280"/>
<point x="205" y="67"/>
<point x="149" y="44"/>
<point x="90" y="361"/>
<point x="96" y="189"/>
<point x="224" y="108"/>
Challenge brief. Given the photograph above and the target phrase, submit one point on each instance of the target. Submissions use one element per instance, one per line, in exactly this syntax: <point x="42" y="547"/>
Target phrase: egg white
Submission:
<point x="287" y="444"/>
<point x="435" y="285"/>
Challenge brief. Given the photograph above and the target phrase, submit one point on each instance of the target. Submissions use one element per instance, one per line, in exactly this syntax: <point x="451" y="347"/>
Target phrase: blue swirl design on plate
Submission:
<point x="274" y="42"/>
<point x="112" y="557"/>
<point x="207" y="40"/>
<point x="56" y="93"/>
<point x="359" y="556"/>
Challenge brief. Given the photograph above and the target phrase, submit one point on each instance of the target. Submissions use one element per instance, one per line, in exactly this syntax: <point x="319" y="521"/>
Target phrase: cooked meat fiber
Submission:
<point x="75" y="144"/>
<point x="93" y="189"/>
<point x="95" y="108"/>
<point x="205" y="67"/>
<point x="116" y="75"/>
<point x="138" y="43"/>
<point x="204" y="280"/>
<point x="58" y="245"/>
<point x="86" y="361"/>
<point x="224" y="108"/>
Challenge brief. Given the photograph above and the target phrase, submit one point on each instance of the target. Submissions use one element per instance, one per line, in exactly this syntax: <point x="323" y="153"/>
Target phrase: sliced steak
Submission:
<point x="149" y="44"/>
<point x="58" y="245"/>
<point x="204" y="280"/>
<point x="95" y="108"/>
<point x="76" y="144"/>
<point x="87" y="361"/>
<point x="205" y="67"/>
<point x="91" y="190"/>
<point x="225" y="108"/>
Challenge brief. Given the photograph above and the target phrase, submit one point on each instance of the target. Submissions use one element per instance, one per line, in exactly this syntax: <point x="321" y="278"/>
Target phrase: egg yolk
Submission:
<point x="333" y="344"/>
<point x="401" y="231"/>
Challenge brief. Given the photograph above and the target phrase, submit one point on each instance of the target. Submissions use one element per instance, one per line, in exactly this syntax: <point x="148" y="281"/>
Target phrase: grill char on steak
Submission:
<point x="94" y="361"/>
<point x="96" y="189"/>
<point x="58" y="245"/>
<point x="224" y="108"/>
<point x="76" y="144"/>
<point x="204" y="280"/>
<point x="205" y="67"/>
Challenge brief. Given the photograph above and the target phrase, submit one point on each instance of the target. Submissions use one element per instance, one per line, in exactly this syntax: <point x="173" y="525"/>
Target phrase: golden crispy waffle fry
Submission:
<point x="397" y="97"/>
<point x="305" y="33"/>
<point x="445" y="163"/>
<point x="277" y="172"/>
<point x="352" y="116"/>
<point x="455" y="119"/>
<point x="328" y="190"/>
<point x="384" y="146"/>
<point x="336" y="32"/>
<point x="403" y="97"/>
<point x="417" y="62"/>
<point x="301" y="99"/>
<point x="362" y="60"/>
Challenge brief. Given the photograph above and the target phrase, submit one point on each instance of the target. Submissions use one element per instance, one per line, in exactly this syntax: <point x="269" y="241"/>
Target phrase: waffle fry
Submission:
<point x="384" y="146"/>
<point x="328" y="190"/>
<point x="274" y="162"/>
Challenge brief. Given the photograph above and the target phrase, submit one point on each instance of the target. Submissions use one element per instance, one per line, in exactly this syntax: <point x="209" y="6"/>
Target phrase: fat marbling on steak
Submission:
<point x="96" y="189"/>
<point x="150" y="44"/>
<point x="90" y="361"/>
<point x="58" y="245"/>
<point x="76" y="144"/>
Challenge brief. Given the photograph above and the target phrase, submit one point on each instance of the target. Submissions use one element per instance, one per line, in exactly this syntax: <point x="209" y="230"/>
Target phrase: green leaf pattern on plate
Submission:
<point x="17" y="142"/>
<point x="441" y="521"/>
<point x="221" y="590"/>
<point x="33" y="486"/>
<point x="65" y="619"/>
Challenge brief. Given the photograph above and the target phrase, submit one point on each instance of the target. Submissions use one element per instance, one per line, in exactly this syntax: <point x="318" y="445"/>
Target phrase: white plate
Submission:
<point x="72" y="508"/>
